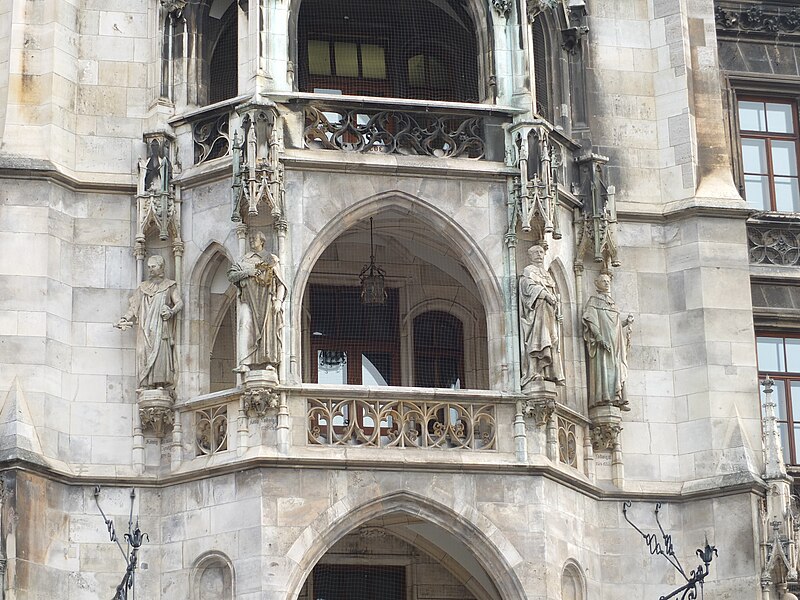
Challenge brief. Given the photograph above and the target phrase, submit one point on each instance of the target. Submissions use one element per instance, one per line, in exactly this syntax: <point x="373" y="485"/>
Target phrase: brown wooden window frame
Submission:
<point x="768" y="137"/>
<point x="784" y="379"/>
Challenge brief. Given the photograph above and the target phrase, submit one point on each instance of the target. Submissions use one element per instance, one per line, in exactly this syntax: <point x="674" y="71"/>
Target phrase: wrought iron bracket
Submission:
<point x="134" y="539"/>
<point x="695" y="578"/>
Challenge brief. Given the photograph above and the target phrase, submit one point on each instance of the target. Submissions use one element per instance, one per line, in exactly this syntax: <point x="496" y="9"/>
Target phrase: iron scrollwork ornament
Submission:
<point x="134" y="539"/>
<point x="695" y="578"/>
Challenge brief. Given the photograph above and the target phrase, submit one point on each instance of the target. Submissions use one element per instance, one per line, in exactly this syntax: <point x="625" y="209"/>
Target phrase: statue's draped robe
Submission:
<point x="155" y="337"/>
<point x="607" y="348"/>
<point x="541" y="353"/>
<point x="261" y="291"/>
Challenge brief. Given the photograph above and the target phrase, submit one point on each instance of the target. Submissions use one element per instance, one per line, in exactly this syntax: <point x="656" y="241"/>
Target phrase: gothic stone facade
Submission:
<point x="265" y="150"/>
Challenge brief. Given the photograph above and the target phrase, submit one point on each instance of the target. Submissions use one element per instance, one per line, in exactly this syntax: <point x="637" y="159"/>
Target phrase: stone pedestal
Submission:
<point x="155" y="410"/>
<point x="605" y="429"/>
<point x="539" y="409"/>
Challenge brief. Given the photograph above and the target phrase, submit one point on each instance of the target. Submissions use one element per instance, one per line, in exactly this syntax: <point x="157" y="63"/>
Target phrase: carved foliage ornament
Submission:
<point x="758" y="20"/>
<point x="605" y="436"/>
<point x="539" y="410"/>
<point x="258" y="401"/>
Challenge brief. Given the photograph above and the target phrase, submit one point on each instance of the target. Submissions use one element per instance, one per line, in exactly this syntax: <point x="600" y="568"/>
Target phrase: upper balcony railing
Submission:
<point x="439" y="130"/>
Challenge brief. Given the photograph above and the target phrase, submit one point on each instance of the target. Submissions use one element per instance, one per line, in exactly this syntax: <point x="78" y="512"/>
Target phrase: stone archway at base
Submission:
<point x="409" y="541"/>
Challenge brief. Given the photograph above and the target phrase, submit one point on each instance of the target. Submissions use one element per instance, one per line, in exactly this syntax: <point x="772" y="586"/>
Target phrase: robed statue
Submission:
<point x="261" y="291"/>
<point x="540" y="322"/>
<point x="607" y="338"/>
<point x="153" y="307"/>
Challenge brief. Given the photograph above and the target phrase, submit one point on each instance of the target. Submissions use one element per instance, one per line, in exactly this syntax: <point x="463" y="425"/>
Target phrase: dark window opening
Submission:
<point x="540" y="73"/>
<point x="224" y="78"/>
<point x="352" y="343"/>
<point x="359" y="582"/>
<point x="438" y="350"/>
<point x="400" y="48"/>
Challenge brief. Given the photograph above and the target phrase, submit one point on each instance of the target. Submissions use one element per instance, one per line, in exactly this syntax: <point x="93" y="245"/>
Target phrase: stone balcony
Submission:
<point x="338" y="424"/>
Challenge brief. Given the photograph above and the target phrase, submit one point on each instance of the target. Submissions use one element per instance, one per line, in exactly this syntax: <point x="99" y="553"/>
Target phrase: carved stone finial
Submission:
<point x="257" y="170"/>
<point x="774" y="465"/>
<point x="596" y="221"/>
<point x="538" y="158"/>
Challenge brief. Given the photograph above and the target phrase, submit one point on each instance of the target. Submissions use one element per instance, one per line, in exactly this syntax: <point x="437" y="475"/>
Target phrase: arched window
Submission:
<point x="430" y="330"/>
<point x="223" y="72"/>
<point x="541" y="71"/>
<point x="390" y="48"/>
<point x="438" y="350"/>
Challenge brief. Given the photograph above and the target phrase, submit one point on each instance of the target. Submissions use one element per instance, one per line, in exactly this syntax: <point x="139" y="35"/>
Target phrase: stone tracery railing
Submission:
<point x="774" y="243"/>
<point x="373" y="130"/>
<point x="211" y="137"/>
<point x="402" y="423"/>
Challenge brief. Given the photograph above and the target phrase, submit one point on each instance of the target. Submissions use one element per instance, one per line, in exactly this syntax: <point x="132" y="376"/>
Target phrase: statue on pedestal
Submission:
<point x="262" y="290"/>
<point x="607" y="339"/>
<point x="540" y="323"/>
<point x="153" y="307"/>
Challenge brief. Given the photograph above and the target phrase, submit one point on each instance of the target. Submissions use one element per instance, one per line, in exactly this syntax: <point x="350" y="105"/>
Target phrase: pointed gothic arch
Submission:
<point x="461" y="246"/>
<point x="491" y="550"/>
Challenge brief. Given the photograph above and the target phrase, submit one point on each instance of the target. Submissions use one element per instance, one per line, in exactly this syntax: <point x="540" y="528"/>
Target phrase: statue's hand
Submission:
<point x="123" y="324"/>
<point x="166" y="313"/>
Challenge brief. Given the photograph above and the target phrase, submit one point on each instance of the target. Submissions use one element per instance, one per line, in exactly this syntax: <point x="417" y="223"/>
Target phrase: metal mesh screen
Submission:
<point x="356" y="582"/>
<point x="424" y="49"/>
<point x="541" y="78"/>
<point x="224" y="60"/>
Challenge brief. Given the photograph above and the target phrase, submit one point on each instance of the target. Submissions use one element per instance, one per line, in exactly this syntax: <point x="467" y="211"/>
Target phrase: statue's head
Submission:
<point x="155" y="266"/>
<point x="603" y="283"/>
<point x="258" y="241"/>
<point x="536" y="254"/>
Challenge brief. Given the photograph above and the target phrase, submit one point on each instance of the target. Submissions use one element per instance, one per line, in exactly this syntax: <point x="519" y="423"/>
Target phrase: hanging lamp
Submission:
<point x="373" y="288"/>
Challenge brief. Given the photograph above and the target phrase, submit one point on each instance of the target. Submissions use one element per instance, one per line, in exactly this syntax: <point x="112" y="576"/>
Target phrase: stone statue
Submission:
<point x="607" y="340"/>
<point x="153" y="306"/>
<point x="540" y="322"/>
<point x="260" y="307"/>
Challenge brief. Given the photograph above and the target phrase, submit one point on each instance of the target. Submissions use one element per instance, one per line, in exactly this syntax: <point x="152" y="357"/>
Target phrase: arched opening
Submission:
<point x="542" y="69"/>
<point x="432" y="314"/>
<point x="572" y="583"/>
<point x="213" y="578"/>
<point x="395" y="557"/>
<point x="223" y="60"/>
<point x="421" y="49"/>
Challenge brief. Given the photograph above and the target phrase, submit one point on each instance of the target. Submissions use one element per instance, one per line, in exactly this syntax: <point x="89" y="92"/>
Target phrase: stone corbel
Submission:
<point x="257" y="168"/>
<point x="577" y="29"/>
<point x="537" y="159"/>
<point x="502" y="7"/>
<point x="537" y="7"/>
<point x="596" y="220"/>
<point x="258" y="401"/>
<point x="174" y="7"/>
<point x="155" y="411"/>
<point x="540" y="410"/>
<point x="260" y="396"/>
<point x="605" y="436"/>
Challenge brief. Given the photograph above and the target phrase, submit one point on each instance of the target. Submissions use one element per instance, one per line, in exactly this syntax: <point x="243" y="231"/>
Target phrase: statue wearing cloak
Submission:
<point x="261" y="291"/>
